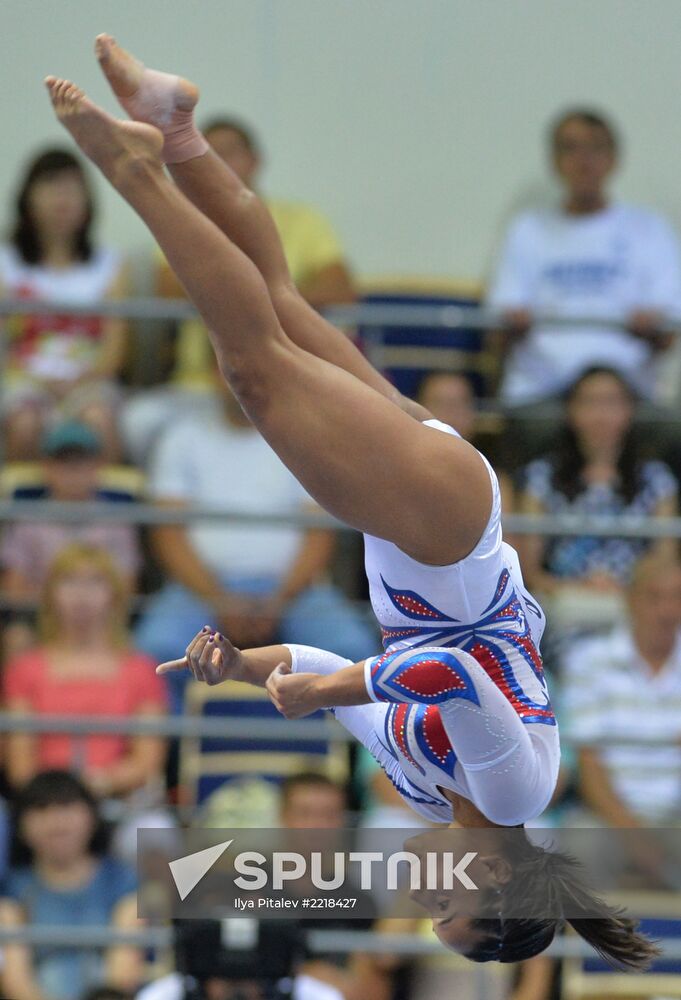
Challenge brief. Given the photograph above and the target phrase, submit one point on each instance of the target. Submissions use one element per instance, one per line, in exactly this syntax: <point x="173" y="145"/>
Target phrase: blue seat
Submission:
<point x="405" y="354"/>
<point x="208" y="763"/>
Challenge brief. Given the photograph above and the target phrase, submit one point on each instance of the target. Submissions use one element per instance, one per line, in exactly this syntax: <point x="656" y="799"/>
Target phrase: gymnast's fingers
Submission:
<point x="194" y="654"/>
<point x="205" y="631"/>
<point x="170" y="665"/>
<point x="204" y="661"/>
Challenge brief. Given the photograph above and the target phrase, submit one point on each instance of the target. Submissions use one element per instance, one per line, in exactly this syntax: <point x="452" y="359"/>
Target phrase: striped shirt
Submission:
<point x="610" y="692"/>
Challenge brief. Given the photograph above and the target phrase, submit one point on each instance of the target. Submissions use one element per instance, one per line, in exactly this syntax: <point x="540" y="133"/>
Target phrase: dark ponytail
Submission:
<point x="612" y="934"/>
<point x="617" y="941"/>
<point x="546" y="891"/>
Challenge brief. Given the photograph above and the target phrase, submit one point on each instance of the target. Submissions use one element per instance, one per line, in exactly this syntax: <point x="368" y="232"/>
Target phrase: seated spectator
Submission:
<point x="591" y="258"/>
<point x="259" y="584"/>
<point x="71" y="464"/>
<point x="59" y="365"/>
<point x="311" y="801"/>
<point x="213" y="969"/>
<point x="450" y="398"/>
<point x="627" y="685"/>
<point x="65" y="878"/>
<point x="84" y="667"/>
<point x="313" y="251"/>
<point x="317" y="265"/>
<point x="596" y="468"/>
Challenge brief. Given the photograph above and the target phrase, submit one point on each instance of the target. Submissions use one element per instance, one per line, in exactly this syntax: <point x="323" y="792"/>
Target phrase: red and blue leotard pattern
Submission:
<point x="500" y="641"/>
<point x="417" y="681"/>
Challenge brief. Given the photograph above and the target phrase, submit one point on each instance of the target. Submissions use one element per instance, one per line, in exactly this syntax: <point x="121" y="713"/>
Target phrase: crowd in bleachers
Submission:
<point x="571" y="396"/>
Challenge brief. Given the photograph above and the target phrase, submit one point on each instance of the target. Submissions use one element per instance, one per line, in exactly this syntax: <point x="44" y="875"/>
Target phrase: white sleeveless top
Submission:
<point x="58" y="346"/>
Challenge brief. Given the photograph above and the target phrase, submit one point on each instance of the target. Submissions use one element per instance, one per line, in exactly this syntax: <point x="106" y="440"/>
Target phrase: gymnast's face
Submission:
<point x="454" y="912"/>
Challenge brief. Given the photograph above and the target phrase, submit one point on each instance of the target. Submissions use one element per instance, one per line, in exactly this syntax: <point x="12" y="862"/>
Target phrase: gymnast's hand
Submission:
<point x="294" y="695"/>
<point x="211" y="658"/>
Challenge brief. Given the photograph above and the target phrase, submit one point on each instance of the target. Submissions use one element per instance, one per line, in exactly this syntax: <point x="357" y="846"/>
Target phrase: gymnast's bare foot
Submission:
<point x="114" y="146"/>
<point x="160" y="99"/>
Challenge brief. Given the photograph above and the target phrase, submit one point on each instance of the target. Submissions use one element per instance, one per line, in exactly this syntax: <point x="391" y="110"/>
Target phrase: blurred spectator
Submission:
<point x="258" y="584"/>
<point x="85" y="667"/>
<point x="596" y="468"/>
<point x="627" y="685"/>
<point x="311" y="801"/>
<point x="59" y="364"/>
<point x="313" y="251"/>
<point x="211" y="962"/>
<point x="318" y="268"/>
<point x="65" y="878"/>
<point x="450" y="398"/>
<point x="591" y="258"/>
<point x="308" y="801"/>
<point x="71" y="464"/>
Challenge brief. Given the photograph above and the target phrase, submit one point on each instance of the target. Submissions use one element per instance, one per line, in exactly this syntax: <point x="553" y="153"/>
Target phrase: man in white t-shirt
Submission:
<point x="591" y="258"/>
<point x="256" y="583"/>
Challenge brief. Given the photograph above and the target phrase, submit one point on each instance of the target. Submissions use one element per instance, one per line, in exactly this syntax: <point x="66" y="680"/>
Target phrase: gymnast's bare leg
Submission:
<point x="168" y="102"/>
<point x="365" y="460"/>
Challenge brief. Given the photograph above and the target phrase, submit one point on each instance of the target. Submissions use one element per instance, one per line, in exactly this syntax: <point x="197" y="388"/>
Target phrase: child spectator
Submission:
<point x="59" y="364"/>
<point x="65" y="878"/>
<point x="71" y="465"/>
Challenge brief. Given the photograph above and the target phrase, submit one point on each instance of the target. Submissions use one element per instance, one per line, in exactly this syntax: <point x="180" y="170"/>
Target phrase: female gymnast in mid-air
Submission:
<point x="456" y="708"/>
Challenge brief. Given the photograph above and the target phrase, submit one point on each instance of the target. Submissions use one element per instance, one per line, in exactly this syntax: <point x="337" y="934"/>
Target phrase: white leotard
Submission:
<point x="460" y="698"/>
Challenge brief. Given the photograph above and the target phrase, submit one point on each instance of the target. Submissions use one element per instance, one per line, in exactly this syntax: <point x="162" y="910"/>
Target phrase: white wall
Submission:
<point x="416" y="124"/>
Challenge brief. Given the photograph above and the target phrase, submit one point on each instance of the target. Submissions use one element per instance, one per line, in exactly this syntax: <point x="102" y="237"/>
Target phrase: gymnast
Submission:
<point x="456" y="708"/>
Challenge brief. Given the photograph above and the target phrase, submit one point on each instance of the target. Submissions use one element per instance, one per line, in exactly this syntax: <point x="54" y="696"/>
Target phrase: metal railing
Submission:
<point x="374" y="319"/>
<point x="447" y="316"/>
<point x="319" y="941"/>
<point x="215" y="727"/>
<point x="76" y="512"/>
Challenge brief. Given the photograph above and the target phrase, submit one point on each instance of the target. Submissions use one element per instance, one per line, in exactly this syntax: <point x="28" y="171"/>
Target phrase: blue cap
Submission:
<point x="72" y="436"/>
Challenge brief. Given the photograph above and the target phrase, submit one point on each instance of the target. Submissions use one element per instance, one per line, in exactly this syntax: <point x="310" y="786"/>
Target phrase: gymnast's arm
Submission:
<point x="212" y="658"/>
